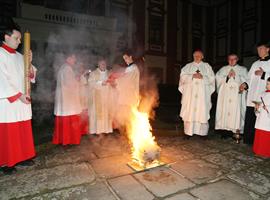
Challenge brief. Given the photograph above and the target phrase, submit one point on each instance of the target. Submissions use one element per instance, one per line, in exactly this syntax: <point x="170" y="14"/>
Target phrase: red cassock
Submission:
<point x="16" y="139"/>
<point x="16" y="143"/>
<point x="67" y="130"/>
<point x="68" y="108"/>
<point x="261" y="144"/>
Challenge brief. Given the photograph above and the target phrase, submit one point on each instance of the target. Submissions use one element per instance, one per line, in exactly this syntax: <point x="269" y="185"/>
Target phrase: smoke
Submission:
<point x="125" y="97"/>
<point x="87" y="44"/>
<point x="148" y="92"/>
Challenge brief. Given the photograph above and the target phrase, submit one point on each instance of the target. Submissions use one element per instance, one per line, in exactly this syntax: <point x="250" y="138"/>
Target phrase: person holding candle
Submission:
<point x="16" y="139"/>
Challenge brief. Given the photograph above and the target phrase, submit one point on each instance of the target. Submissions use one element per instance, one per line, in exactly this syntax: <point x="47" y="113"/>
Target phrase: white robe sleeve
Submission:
<point x="221" y="77"/>
<point x="185" y="78"/>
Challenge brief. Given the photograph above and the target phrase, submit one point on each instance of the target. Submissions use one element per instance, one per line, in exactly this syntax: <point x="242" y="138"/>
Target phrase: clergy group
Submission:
<point x="242" y="107"/>
<point x="96" y="102"/>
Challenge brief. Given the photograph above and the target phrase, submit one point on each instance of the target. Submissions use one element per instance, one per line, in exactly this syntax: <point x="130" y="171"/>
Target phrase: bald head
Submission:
<point x="198" y="56"/>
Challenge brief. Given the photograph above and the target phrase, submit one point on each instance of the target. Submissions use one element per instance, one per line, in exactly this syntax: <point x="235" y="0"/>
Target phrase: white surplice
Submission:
<point x="12" y="83"/>
<point x="67" y="95"/>
<point x="100" y="119"/>
<point x="231" y="105"/>
<point x="127" y="89"/>
<point x="263" y="117"/>
<point x="257" y="84"/>
<point x="196" y="97"/>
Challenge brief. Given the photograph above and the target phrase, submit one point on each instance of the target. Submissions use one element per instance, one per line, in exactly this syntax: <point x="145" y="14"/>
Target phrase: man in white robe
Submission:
<point x="197" y="83"/>
<point x="231" y="103"/>
<point x="100" y="119"/>
<point x="67" y="108"/>
<point x="16" y="139"/>
<point x="127" y="88"/>
<point x="257" y="76"/>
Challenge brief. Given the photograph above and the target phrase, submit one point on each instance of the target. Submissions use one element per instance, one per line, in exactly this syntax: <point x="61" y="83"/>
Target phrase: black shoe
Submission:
<point x="9" y="170"/>
<point x="186" y="137"/>
<point x="27" y="163"/>
<point x="204" y="137"/>
<point x="224" y="135"/>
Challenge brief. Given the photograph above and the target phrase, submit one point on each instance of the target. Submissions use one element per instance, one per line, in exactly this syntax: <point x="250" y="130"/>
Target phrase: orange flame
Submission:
<point x="144" y="148"/>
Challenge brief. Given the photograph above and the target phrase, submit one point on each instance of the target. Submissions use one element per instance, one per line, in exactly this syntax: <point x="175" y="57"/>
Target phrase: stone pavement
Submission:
<point x="97" y="169"/>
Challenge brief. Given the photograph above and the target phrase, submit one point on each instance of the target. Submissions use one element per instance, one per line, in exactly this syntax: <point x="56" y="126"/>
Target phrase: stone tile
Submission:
<point x="225" y="161"/>
<point x="222" y="145"/>
<point x="97" y="191"/>
<point x="199" y="148"/>
<point x="129" y="189"/>
<point x="69" y="157"/>
<point x="262" y="168"/>
<point x="112" y="166"/>
<point x="254" y="181"/>
<point x="184" y="196"/>
<point x="223" y="190"/>
<point x="170" y="141"/>
<point x="107" y="152"/>
<point x="38" y="181"/>
<point x="107" y="146"/>
<point x="163" y="182"/>
<point x="173" y="154"/>
<point x="198" y="171"/>
<point x="39" y="164"/>
<point x="249" y="159"/>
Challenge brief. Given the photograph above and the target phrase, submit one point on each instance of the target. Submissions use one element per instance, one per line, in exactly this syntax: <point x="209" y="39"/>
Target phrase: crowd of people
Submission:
<point x="96" y="102"/>
<point x="242" y="106"/>
<point x="86" y="102"/>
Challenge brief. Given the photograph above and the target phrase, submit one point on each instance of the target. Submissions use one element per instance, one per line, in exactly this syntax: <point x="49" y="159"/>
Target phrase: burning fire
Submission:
<point x="145" y="151"/>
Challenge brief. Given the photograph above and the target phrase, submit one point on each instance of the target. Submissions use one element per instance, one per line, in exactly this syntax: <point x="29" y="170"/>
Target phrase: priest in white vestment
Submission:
<point x="197" y="83"/>
<point x="231" y="102"/>
<point x="100" y="119"/>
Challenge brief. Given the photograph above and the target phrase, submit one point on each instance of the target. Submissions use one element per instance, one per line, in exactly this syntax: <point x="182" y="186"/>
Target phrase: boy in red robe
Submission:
<point x="67" y="107"/>
<point x="16" y="139"/>
<point x="261" y="145"/>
